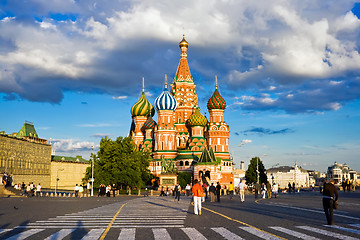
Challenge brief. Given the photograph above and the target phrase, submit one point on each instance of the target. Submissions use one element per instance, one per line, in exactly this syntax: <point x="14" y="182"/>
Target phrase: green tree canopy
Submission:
<point x="184" y="178"/>
<point x="121" y="163"/>
<point x="250" y="174"/>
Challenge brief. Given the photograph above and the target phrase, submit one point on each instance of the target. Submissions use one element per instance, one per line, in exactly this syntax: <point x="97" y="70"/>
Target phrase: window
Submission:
<point x="186" y="163"/>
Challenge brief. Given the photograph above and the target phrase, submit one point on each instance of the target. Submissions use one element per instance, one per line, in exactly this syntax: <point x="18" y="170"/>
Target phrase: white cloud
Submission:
<point x="68" y="145"/>
<point x="119" y="97"/>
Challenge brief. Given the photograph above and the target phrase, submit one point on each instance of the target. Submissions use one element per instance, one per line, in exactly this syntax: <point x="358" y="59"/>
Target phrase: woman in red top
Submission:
<point x="198" y="193"/>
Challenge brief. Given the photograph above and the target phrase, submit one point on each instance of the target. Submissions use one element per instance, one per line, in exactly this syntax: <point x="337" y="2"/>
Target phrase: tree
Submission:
<point x="121" y="163"/>
<point x="250" y="174"/>
<point x="184" y="178"/>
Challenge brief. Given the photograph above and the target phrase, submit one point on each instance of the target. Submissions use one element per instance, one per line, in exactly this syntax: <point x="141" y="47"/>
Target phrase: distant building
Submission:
<point x="341" y="172"/>
<point x="239" y="174"/>
<point x="285" y="174"/>
<point x="66" y="172"/>
<point x="26" y="156"/>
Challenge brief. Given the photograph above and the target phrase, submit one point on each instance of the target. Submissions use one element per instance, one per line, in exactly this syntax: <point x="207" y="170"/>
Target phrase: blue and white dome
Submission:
<point x="165" y="101"/>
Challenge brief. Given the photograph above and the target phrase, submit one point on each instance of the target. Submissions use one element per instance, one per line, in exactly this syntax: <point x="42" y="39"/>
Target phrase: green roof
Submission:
<point x="27" y="130"/>
<point x="76" y="159"/>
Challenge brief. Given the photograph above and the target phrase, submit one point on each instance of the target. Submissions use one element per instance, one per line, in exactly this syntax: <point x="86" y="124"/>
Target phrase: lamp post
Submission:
<point x="57" y="178"/>
<point x="92" y="173"/>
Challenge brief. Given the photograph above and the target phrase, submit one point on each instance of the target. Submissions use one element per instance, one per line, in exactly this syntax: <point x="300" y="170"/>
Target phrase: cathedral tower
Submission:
<point x="218" y="130"/>
<point x="183" y="89"/>
<point x="165" y="132"/>
<point x="140" y="111"/>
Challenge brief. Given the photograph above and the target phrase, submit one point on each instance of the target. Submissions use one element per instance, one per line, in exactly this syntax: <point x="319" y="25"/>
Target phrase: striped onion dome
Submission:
<point x="142" y="107"/>
<point x="165" y="101"/>
<point x="149" y="124"/>
<point x="216" y="101"/>
<point x="197" y="119"/>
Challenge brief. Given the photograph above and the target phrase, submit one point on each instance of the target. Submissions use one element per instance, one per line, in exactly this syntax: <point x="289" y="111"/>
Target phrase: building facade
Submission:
<point x="28" y="158"/>
<point x="25" y="156"/>
<point x="285" y="174"/>
<point x="182" y="134"/>
<point x="341" y="172"/>
<point x="66" y="172"/>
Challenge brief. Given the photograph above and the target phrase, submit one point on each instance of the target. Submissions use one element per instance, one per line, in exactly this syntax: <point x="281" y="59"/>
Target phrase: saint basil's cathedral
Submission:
<point x="183" y="135"/>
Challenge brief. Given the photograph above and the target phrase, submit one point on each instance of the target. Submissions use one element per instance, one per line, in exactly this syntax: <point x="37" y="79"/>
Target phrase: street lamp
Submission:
<point x="57" y="178"/>
<point x="92" y="173"/>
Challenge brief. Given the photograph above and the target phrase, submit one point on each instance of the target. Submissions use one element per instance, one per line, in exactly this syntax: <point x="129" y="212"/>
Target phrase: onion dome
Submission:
<point x="183" y="43"/>
<point x="197" y="119"/>
<point x="165" y="101"/>
<point x="149" y="123"/>
<point x="216" y="101"/>
<point x="142" y="107"/>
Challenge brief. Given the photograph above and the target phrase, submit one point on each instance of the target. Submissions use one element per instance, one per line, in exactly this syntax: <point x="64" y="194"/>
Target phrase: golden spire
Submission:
<point x="216" y="84"/>
<point x="183" y="42"/>
<point x="165" y="80"/>
<point x="143" y="86"/>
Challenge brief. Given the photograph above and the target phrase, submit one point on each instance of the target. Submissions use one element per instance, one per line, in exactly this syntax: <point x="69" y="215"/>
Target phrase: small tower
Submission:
<point x="165" y="132"/>
<point x="218" y="130"/>
<point x="197" y="122"/>
<point x="140" y="111"/>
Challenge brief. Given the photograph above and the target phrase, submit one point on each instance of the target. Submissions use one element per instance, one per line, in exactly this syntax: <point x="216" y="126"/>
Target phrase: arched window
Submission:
<point x="181" y="163"/>
<point x="186" y="163"/>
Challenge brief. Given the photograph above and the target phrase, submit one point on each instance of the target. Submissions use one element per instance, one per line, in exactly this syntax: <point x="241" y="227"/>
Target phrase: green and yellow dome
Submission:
<point x="197" y="119"/>
<point x="142" y="107"/>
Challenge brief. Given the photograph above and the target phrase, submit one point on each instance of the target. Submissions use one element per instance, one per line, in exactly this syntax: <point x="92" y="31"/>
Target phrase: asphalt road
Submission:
<point x="290" y="216"/>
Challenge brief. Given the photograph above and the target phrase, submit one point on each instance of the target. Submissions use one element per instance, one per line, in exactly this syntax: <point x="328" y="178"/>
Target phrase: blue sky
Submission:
<point x="288" y="70"/>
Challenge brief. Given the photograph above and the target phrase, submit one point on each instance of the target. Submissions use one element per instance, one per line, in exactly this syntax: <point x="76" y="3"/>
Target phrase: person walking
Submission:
<point x="218" y="190"/>
<point x="188" y="189"/>
<point x="212" y="191"/>
<point x="242" y="190"/>
<point x="330" y="196"/>
<point x="268" y="190"/>
<point x="113" y="189"/>
<point x="177" y="190"/>
<point x="38" y="190"/>
<point x="81" y="191"/>
<point x="197" y="193"/>
<point x="275" y="189"/>
<point x="76" y="190"/>
<point x="257" y="189"/>
<point x="231" y="190"/>
<point x="263" y="190"/>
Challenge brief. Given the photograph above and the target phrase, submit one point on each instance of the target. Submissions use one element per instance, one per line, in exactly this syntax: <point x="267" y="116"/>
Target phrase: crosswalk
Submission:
<point x="239" y="233"/>
<point x="161" y="219"/>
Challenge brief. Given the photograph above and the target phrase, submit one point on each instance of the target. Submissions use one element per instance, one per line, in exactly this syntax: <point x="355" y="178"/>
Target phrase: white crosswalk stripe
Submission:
<point x="344" y="228"/>
<point x="355" y="225"/>
<point x="226" y="233"/>
<point x="127" y="233"/>
<point x="94" y="234"/>
<point x="25" y="234"/>
<point x="60" y="234"/>
<point x="5" y="230"/>
<point x="161" y="234"/>
<point x="259" y="233"/>
<point x="294" y="233"/>
<point x="193" y="234"/>
<point x="326" y="233"/>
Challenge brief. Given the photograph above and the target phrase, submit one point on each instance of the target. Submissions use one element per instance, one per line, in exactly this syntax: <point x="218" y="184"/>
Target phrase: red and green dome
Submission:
<point x="142" y="107"/>
<point x="197" y="119"/>
<point x="216" y="101"/>
<point x="149" y="124"/>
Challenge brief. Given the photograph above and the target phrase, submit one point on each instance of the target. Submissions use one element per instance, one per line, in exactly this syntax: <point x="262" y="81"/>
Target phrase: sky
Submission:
<point x="288" y="71"/>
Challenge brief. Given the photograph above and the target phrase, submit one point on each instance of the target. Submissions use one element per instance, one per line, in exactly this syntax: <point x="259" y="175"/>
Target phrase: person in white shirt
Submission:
<point x="275" y="189"/>
<point x="76" y="190"/>
<point x="242" y="190"/>
<point x="38" y="190"/>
